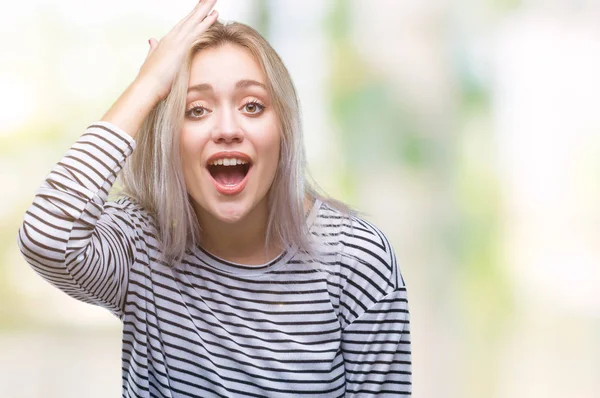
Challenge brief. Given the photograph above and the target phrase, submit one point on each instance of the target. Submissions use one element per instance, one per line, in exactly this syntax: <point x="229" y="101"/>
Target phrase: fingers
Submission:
<point x="152" y="43"/>
<point x="164" y="58"/>
<point x="203" y="8"/>
<point x="209" y="20"/>
<point x="193" y="24"/>
<point x="198" y="15"/>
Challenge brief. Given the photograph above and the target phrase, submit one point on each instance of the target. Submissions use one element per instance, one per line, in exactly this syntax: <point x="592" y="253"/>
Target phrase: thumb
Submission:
<point x="152" y="42"/>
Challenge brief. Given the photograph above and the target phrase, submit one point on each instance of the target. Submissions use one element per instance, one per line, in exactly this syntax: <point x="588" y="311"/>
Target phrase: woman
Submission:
<point x="231" y="275"/>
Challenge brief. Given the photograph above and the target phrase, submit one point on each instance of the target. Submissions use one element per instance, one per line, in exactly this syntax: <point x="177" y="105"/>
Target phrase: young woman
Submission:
<point x="231" y="275"/>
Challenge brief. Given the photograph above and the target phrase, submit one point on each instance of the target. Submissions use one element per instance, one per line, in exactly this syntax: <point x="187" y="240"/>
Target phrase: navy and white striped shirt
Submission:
<point x="332" y="326"/>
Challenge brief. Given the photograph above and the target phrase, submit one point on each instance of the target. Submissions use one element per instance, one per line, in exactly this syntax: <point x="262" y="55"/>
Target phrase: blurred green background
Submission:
<point x="468" y="131"/>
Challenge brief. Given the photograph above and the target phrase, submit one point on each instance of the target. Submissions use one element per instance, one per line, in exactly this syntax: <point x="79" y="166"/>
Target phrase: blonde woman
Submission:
<point x="232" y="276"/>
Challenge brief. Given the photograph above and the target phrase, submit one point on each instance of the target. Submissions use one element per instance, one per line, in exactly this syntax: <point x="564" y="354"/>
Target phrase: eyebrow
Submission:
<point x="239" y="85"/>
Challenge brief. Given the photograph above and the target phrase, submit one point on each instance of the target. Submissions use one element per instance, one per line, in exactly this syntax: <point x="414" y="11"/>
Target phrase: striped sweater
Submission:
<point x="332" y="326"/>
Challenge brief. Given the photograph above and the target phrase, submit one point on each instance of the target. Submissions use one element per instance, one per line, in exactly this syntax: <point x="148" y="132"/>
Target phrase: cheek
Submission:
<point x="190" y="147"/>
<point x="272" y="146"/>
<point x="186" y="142"/>
<point x="272" y="138"/>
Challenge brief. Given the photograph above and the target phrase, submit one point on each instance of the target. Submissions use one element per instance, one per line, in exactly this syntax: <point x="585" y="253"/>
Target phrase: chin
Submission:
<point x="230" y="213"/>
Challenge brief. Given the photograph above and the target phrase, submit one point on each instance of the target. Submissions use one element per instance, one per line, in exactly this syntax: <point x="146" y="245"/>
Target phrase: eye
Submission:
<point x="197" y="112"/>
<point x="253" y="107"/>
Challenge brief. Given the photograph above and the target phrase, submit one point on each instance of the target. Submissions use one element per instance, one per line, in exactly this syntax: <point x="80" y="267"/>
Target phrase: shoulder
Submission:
<point x="367" y="268"/>
<point x="364" y="249"/>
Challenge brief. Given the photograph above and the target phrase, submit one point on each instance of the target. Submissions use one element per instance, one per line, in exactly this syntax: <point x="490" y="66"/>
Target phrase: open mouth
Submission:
<point x="229" y="173"/>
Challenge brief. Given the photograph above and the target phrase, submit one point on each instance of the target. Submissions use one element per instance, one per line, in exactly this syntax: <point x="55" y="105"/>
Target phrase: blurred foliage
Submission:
<point x="376" y="127"/>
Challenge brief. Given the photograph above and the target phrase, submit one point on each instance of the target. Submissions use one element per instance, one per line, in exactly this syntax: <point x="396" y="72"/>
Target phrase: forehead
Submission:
<point x="224" y="66"/>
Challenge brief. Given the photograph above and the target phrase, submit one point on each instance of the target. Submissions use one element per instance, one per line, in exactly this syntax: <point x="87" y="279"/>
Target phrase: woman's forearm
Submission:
<point x="69" y="236"/>
<point x="131" y="108"/>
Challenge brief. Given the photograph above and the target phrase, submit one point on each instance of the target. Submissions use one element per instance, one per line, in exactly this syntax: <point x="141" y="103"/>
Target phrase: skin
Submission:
<point x="234" y="227"/>
<point x="228" y="108"/>
<point x="156" y="75"/>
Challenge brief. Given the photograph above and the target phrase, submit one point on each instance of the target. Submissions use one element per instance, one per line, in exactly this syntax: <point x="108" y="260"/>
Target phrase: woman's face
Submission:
<point x="230" y="135"/>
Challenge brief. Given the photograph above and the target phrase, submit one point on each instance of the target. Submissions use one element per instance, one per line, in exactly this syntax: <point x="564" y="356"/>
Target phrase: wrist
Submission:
<point x="144" y="92"/>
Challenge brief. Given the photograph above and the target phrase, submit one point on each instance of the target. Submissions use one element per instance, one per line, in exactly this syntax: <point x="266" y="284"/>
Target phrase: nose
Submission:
<point x="227" y="128"/>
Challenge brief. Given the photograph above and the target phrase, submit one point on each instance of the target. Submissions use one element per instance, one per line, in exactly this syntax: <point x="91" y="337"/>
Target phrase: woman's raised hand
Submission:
<point x="156" y="75"/>
<point x="165" y="56"/>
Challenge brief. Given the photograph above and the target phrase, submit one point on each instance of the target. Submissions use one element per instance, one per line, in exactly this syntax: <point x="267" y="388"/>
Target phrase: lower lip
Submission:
<point x="232" y="189"/>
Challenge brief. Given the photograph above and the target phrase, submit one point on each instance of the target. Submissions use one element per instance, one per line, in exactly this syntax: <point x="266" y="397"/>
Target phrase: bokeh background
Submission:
<point x="468" y="131"/>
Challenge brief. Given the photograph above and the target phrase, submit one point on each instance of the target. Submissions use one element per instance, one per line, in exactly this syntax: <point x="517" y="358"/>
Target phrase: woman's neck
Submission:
<point x="243" y="242"/>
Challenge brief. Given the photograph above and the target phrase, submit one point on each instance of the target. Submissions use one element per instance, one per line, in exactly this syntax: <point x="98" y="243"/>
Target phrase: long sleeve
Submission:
<point x="376" y="349"/>
<point x="375" y="318"/>
<point x="70" y="235"/>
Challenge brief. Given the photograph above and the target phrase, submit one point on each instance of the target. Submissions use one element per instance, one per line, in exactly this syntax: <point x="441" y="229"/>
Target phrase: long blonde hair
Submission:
<point x="153" y="174"/>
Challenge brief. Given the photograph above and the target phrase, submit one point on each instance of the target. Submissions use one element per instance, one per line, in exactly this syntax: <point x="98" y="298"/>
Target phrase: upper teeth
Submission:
<point x="228" y="162"/>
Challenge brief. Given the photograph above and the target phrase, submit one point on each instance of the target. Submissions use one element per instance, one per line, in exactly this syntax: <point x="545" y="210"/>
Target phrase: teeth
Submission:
<point x="228" y="162"/>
